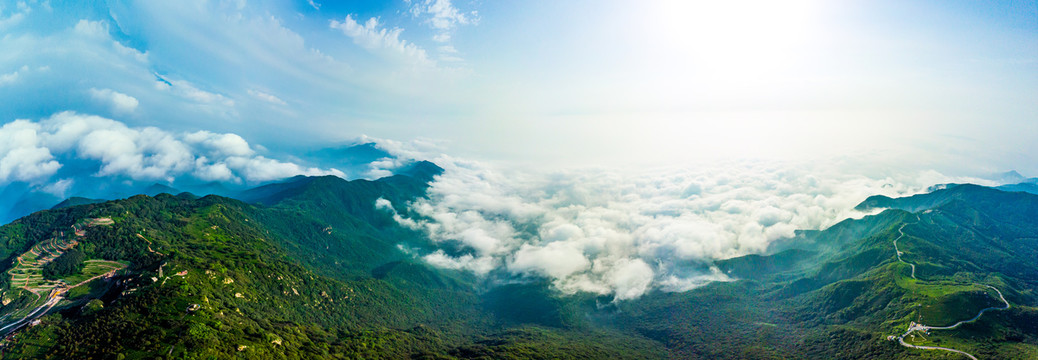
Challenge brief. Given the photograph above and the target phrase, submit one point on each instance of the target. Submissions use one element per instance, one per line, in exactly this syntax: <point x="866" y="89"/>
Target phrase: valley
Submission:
<point x="49" y="291"/>
<point x="311" y="268"/>
<point x="518" y="180"/>
<point x="924" y="329"/>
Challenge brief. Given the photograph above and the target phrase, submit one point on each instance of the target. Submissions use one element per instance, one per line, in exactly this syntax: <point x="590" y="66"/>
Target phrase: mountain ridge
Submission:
<point x="310" y="268"/>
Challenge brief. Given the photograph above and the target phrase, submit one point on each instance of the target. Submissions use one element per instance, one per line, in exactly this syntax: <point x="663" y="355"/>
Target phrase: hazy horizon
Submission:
<point x="633" y="136"/>
<point x="923" y="85"/>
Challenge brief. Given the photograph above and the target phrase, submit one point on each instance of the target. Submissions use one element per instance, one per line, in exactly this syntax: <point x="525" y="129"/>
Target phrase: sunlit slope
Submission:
<point x="311" y="268"/>
<point x="302" y="277"/>
<point x="839" y="293"/>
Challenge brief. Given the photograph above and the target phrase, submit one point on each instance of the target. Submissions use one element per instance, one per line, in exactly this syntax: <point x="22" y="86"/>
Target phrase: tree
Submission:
<point x="71" y="262"/>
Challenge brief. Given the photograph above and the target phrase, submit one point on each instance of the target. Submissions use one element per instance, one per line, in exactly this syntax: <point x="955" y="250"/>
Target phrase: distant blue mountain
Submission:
<point x="354" y="160"/>
<point x="20" y="199"/>
<point x="75" y="201"/>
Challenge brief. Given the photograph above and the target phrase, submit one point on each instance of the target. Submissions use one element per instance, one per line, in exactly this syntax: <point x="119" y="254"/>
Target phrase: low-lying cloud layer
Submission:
<point x="35" y="152"/>
<point x="624" y="234"/>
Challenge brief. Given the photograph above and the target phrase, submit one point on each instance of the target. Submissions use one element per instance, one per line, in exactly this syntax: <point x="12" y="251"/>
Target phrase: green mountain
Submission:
<point x="839" y="293"/>
<point x="310" y="268"/>
<point x="75" y="200"/>
<point x="312" y="274"/>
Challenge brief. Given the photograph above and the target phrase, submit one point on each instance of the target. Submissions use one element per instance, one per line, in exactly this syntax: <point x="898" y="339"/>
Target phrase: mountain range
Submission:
<point x="20" y="198"/>
<point x="310" y="268"/>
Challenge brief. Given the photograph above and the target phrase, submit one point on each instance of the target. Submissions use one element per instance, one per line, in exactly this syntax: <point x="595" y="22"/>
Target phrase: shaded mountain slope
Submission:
<point x="311" y="268"/>
<point x="214" y="277"/>
<point x="838" y="293"/>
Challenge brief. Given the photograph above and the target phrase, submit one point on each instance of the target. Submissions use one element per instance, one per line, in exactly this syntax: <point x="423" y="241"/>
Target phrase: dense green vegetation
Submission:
<point x="309" y="268"/>
<point x="839" y="293"/>
<point x="216" y="278"/>
<point x="71" y="262"/>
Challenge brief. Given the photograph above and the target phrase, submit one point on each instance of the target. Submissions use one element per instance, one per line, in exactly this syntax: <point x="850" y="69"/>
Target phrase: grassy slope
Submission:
<point x="316" y="274"/>
<point x="258" y="293"/>
<point x="839" y="298"/>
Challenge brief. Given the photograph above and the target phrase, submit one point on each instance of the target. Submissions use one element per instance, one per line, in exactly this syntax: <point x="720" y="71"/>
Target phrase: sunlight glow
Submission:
<point x="730" y="41"/>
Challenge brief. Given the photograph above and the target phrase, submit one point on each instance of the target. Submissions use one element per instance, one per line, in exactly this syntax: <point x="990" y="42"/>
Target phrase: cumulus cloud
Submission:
<point x="14" y="76"/>
<point x="373" y="37"/>
<point x="119" y="102"/>
<point x="401" y="154"/>
<point x="9" y="18"/>
<point x="58" y="188"/>
<point x="22" y="158"/>
<point x="443" y="17"/>
<point x="142" y="50"/>
<point x="622" y="234"/>
<point x="29" y="152"/>
<point x="219" y="145"/>
<point x="556" y="259"/>
<point x="11" y="77"/>
<point x="260" y="168"/>
<point x="97" y="29"/>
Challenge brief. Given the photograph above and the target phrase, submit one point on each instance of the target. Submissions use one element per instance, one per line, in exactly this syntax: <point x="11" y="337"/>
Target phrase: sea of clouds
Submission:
<point x="618" y="232"/>
<point x="624" y="232"/>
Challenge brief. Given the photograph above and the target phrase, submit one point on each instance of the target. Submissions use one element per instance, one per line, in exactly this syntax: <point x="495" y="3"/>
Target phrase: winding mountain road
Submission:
<point x="39" y="311"/>
<point x="56" y="290"/>
<point x="896" y="250"/>
<point x="925" y="328"/>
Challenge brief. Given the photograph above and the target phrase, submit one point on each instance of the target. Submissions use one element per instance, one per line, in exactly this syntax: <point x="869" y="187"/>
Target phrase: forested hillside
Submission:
<point x="310" y="268"/>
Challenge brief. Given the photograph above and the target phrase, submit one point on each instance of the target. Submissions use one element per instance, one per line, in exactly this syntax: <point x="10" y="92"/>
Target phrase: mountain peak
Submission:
<point x="76" y="200"/>
<point x="934" y="199"/>
<point x="422" y="170"/>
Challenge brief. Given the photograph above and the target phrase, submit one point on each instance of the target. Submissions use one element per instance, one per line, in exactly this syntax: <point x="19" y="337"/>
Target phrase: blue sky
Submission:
<point x="943" y="83"/>
<point x="720" y="125"/>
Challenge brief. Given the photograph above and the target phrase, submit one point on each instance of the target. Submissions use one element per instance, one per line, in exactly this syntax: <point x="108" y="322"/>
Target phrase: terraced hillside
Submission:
<point x="33" y="293"/>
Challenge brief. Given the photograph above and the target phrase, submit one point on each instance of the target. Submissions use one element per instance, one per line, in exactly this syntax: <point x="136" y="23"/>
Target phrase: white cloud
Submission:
<point x="147" y="153"/>
<point x="314" y="5"/>
<point x="143" y="50"/>
<point x="95" y="29"/>
<point x="220" y="145"/>
<point x="28" y="149"/>
<point x="442" y="15"/>
<point x="12" y="77"/>
<point x="478" y="265"/>
<point x="208" y="171"/>
<point x="12" y="20"/>
<point x="555" y="260"/>
<point x="129" y="51"/>
<point x="630" y="278"/>
<point x="21" y="156"/>
<point x="623" y="234"/>
<point x="267" y="97"/>
<point x="259" y="169"/>
<point x="678" y="284"/>
<point x="99" y="31"/>
<point x="401" y="153"/>
<point x="119" y="102"/>
<point x="58" y="188"/>
<point x="372" y="36"/>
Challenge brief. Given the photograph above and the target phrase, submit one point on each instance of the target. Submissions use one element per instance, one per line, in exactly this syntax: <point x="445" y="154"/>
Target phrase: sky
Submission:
<point x="611" y="146"/>
<point x="931" y="83"/>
